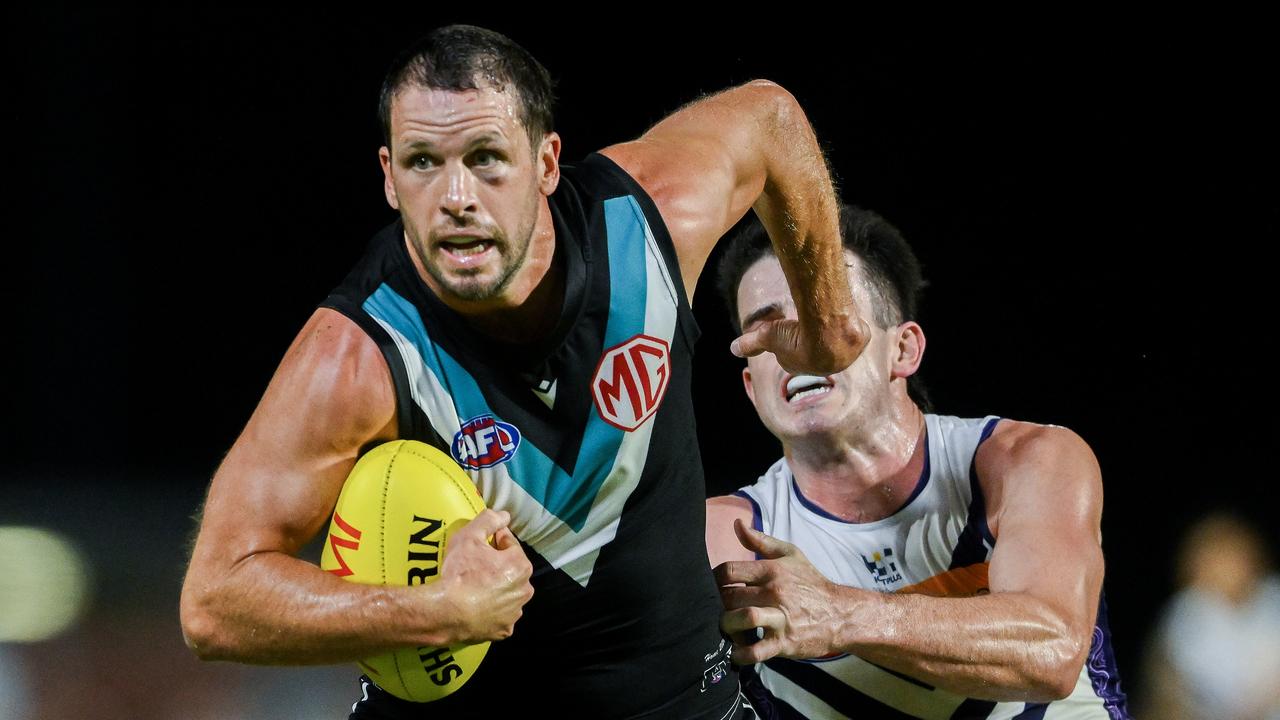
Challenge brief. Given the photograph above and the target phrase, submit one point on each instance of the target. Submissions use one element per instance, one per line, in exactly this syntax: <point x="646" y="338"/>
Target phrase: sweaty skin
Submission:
<point x="247" y="597"/>
<point x="753" y="146"/>
<point x="471" y="188"/>
<point x="855" y="449"/>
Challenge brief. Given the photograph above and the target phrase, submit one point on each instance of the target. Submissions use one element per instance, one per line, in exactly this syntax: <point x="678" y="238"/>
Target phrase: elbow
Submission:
<point x="1052" y="688"/>
<point x="1060" y="673"/>
<point x="767" y="86"/>
<point x="197" y="632"/>
<point x="200" y="628"/>
<point x="782" y="129"/>
<point x="779" y="101"/>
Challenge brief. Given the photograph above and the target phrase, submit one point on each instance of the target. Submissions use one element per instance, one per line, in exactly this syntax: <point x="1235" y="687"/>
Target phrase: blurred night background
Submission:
<point x="1092" y="208"/>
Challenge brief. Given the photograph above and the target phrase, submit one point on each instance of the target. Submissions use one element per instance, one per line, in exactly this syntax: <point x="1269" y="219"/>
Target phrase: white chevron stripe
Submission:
<point x="602" y="522"/>
<point x="573" y="552"/>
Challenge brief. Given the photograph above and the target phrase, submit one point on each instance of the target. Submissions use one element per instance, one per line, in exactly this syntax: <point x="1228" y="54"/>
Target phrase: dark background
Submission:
<point x="1093" y="210"/>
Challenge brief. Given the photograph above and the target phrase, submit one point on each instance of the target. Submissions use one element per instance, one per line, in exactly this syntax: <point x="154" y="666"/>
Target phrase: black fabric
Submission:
<point x="642" y="638"/>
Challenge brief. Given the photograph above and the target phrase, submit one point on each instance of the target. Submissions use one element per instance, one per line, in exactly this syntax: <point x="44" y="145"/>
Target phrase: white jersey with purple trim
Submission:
<point x="937" y="544"/>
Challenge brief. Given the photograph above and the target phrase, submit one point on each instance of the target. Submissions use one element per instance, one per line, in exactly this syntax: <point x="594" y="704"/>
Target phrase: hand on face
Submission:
<point x="802" y="346"/>
<point x="824" y="349"/>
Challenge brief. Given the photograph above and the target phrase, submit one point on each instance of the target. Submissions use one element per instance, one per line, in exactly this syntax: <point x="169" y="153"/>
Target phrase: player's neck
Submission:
<point x="534" y="316"/>
<point x="864" y="477"/>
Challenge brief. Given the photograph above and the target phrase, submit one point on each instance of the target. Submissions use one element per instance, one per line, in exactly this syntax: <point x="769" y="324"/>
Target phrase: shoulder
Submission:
<point x="1026" y="469"/>
<point x="715" y="133"/>
<point x="588" y="186"/>
<point x="772" y="488"/>
<point x="722" y="542"/>
<point x="753" y="505"/>
<point x="336" y="375"/>
<point x="596" y="178"/>
<point x="707" y="163"/>
<point x="1014" y="442"/>
<point x="330" y="337"/>
<point x="727" y="508"/>
<point x="756" y="503"/>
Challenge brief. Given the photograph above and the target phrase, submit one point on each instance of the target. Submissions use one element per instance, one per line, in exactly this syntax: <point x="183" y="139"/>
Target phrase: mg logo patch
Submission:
<point x="484" y="442"/>
<point x="630" y="381"/>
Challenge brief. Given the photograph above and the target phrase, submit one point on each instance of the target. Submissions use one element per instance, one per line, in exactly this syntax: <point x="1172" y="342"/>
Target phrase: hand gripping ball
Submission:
<point x="391" y="527"/>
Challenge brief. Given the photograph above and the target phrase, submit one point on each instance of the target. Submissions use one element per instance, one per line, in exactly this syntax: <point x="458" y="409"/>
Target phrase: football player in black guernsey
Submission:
<point x="531" y="320"/>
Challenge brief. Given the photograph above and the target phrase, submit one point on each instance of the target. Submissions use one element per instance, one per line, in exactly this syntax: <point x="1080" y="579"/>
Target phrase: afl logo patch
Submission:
<point x="630" y="381"/>
<point x="484" y="442"/>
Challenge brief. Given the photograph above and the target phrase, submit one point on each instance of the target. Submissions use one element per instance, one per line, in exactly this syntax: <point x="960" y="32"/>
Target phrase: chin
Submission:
<point x="810" y="426"/>
<point x="475" y="285"/>
<point x="474" y="292"/>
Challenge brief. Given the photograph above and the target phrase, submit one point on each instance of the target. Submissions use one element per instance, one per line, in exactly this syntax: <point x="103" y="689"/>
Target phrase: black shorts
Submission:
<point x="377" y="704"/>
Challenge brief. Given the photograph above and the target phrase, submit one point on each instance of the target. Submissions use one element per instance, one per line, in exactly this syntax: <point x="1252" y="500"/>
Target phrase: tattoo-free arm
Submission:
<point x="247" y="597"/>
<point x="752" y="147"/>
<point x="1026" y="640"/>
<point x="722" y="543"/>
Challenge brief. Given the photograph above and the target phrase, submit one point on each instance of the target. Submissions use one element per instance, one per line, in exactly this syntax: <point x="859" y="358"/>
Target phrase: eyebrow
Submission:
<point x="761" y="312"/>
<point x="487" y="138"/>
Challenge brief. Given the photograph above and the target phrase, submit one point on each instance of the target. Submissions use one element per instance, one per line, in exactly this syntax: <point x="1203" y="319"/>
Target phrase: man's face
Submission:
<point x="468" y="186"/>
<point x="795" y="407"/>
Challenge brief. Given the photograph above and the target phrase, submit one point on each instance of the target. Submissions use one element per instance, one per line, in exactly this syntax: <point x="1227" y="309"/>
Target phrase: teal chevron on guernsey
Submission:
<point x="569" y="497"/>
<point x="627" y="272"/>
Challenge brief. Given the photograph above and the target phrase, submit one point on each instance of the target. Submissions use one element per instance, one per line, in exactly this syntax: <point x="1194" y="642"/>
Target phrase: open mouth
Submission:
<point x="465" y="249"/>
<point x="804" y="386"/>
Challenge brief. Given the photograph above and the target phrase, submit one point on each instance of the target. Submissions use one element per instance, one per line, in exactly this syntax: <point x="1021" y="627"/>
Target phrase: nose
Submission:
<point x="459" y="198"/>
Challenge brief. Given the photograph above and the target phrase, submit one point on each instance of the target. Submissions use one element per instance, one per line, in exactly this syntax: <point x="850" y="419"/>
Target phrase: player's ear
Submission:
<point x="548" y="158"/>
<point x="388" y="185"/>
<point x="746" y="383"/>
<point x="909" y="350"/>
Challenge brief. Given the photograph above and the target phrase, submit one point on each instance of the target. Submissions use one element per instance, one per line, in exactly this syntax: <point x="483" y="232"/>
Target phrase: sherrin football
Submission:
<point x="391" y="526"/>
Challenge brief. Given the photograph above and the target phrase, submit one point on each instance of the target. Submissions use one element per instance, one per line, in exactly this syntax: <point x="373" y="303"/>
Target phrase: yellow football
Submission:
<point x="391" y="527"/>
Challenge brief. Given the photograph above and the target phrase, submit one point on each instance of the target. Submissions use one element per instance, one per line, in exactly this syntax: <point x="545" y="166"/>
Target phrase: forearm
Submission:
<point x="798" y="207"/>
<point x="1003" y="646"/>
<point x="271" y="608"/>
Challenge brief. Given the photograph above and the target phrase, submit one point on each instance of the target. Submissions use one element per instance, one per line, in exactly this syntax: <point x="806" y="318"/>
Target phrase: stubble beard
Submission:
<point x="471" y="286"/>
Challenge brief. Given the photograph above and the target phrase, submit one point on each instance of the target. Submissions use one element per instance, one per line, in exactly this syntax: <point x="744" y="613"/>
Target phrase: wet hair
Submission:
<point x="889" y="267"/>
<point x="465" y="57"/>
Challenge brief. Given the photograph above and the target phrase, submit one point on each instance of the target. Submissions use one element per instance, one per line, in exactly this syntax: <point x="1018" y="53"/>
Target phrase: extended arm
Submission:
<point x="247" y="597"/>
<point x="752" y="147"/>
<point x="1026" y="640"/>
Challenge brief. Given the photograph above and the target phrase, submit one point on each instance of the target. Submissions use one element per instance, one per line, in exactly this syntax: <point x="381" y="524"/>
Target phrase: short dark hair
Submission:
<point x="465" y="57"/>
<point x="889" y="266"/>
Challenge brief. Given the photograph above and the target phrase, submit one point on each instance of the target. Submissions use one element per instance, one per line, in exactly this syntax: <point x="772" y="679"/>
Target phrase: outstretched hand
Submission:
<point x="827" y="349"/>
<point x="782" y="593"/>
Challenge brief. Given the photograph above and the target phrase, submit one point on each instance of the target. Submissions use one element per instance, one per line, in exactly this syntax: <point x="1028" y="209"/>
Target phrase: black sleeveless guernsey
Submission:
<point x="588" y="440"/>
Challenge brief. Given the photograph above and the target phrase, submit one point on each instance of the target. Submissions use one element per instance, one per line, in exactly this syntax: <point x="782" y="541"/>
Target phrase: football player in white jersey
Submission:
<point x="937" y="566"/>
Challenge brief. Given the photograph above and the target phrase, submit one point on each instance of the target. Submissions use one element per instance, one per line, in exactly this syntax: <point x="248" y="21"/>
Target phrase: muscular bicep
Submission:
<point x="330" y="398"/>
<point x="705" y="165"/>
<point x="722" y="543"/>
<point x="1046" y="506"/>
